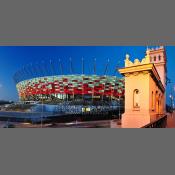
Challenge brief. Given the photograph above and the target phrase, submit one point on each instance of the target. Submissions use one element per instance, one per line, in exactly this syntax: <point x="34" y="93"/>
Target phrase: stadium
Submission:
<point x="56" y="87"/>
<point x="41" y="82"/>
<point x="70" y="88"/>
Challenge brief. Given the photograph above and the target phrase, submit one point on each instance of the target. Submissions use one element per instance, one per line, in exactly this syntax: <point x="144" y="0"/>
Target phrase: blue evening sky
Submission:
<point x="15" y="58"/>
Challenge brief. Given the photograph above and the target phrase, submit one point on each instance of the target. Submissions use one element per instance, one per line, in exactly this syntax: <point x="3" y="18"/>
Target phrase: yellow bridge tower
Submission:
<point x="144" y="88"/>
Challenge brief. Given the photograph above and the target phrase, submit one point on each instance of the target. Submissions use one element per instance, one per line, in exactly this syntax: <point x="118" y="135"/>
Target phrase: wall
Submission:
<point x="140" y="82"/>
<point x="160" y="96"/>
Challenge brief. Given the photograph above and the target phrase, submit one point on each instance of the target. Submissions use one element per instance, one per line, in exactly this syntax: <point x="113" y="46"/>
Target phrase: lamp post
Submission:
<point x="171" y="95"/>
<point x="41" y="94"/>
<point x="171" y="98"/>
<point x="42" y="113"/>
<point x="119" y="107"/>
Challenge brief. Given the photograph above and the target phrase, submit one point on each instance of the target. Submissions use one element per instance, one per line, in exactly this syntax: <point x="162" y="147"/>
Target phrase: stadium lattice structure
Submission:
<point x="41" y="82"/>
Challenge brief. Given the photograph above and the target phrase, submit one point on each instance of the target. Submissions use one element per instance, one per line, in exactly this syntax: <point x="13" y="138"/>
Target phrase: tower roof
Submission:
<point x="141" y="68"/>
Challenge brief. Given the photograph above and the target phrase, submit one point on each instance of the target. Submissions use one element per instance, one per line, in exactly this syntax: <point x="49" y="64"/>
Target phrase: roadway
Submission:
<point x="83" y="124"/>
<point x="74" y="124"/>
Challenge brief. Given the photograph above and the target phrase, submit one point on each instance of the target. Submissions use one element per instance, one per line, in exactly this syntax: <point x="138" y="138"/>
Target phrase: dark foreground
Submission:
<point x="101" y="123"/>
<point x="73" y="124"/>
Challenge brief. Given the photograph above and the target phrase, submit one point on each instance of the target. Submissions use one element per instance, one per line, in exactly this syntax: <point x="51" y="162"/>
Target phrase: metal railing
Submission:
<point x="161" y="122"/>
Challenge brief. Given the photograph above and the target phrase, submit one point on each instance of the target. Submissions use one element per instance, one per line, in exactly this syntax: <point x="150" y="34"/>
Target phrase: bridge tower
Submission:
<point x="158" y="58"/>
<point x="144" y="88"/>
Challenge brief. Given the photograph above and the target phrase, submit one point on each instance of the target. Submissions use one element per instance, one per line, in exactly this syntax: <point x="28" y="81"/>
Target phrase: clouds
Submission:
<point x="1" y="85"/>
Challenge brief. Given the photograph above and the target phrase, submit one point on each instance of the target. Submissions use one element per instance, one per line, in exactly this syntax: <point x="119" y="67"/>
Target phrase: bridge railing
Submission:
<point x="161" y="122"/>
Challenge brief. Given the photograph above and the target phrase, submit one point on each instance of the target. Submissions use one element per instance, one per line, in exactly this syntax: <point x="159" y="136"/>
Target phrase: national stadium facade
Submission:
<point x="42" y="82"/>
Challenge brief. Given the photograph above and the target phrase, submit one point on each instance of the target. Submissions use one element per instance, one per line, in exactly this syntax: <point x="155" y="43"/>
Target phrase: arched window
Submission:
<point x="154" y="58"/>
<point x="159" y="57"/>
<point x="136" y="99"/>
<point x="156" y="101"/>
<point x="159" y="107"/>
<point x="152" y="100"/>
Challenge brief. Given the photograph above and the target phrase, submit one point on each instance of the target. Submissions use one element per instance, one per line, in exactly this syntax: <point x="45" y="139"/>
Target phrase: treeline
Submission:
<point x="3" y="102"/>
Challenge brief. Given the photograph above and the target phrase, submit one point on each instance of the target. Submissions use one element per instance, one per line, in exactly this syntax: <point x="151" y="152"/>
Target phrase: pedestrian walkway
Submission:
<point x="171" y="120"/>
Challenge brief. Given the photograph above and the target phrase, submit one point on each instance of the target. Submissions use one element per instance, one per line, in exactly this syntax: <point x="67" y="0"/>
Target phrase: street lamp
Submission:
<point x="171" y="98"/>
<point x="41" y="95"/>
<point x="42" y="112"/>
<point x="171" y="95"/>
<point x="119" y="106"/>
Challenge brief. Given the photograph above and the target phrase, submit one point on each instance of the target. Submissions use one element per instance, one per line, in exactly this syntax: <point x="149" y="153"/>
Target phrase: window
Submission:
<point x="154" y="58"/>
<point x="159" y="107"/>
<point x="152" y="100"/>
<point x="156" y="101"/>
<point x="136" y="99"/>
<point x="159" y="57"/>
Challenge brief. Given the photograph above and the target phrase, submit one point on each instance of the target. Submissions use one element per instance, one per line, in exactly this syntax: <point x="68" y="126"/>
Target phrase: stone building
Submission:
<point x="145" y="83"/>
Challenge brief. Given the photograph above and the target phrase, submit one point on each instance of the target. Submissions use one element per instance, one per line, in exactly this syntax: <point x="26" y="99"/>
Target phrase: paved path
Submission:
<point x="171" y="120"/>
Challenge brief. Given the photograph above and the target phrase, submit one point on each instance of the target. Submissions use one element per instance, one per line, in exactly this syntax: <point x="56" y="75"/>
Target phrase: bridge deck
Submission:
<point x="171" y="120"/>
